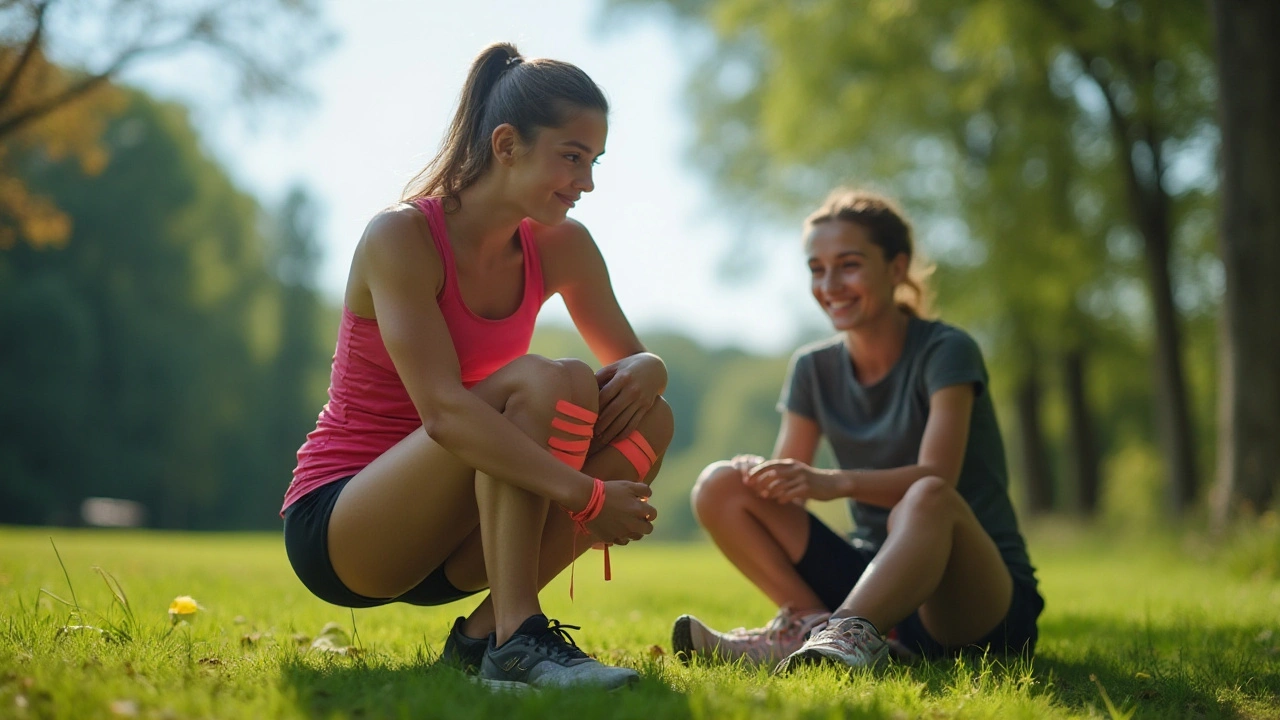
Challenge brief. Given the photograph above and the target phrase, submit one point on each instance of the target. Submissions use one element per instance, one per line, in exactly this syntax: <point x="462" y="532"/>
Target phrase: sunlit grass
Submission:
<point x="1161" y="628"/>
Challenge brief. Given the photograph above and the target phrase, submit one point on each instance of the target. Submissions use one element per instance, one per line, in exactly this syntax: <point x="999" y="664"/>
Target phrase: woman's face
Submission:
<point x="551" y="174"/>
<point x="851" y="280"/>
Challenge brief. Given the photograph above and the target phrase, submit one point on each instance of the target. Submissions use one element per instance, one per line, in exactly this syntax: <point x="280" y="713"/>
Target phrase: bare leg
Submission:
<point x="763" y="539"/>
<point x="415" y="506"/>
<point x="936" y="558"/>
<point x="558" y="542"/>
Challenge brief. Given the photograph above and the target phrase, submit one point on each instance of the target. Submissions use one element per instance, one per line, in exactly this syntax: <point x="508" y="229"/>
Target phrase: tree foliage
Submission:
<point x="58" y="58"/>
<point x="157" y="357"/>
<point x="1057" y="157"/>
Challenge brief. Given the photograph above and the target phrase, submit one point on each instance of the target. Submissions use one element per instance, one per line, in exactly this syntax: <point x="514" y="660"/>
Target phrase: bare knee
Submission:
<point x="929" y="499"/>
<point x="538" y="383"/>
<point x="658" y="426"/>
<point x="717" y="488"/>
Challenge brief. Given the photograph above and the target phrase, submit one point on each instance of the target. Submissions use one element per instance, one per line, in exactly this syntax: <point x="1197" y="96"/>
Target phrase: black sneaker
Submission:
<point x="541" y="654"/>
<point x="462" y="652"/>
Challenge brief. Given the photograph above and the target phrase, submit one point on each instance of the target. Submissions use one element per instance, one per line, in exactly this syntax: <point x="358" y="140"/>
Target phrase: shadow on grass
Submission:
<point x="328" y="686"/>
<point x="1184" y="668"/>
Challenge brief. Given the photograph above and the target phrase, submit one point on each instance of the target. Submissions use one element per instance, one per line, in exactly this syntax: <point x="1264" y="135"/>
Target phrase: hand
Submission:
<point x="744" y="464"/>
<point x="626" y="515"/>
<point x="628" y="388"/>
<point x="787" y="481"/>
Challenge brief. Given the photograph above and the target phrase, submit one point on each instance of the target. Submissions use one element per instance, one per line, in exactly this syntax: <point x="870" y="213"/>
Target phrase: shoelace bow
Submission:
<point x="558" y="639"/>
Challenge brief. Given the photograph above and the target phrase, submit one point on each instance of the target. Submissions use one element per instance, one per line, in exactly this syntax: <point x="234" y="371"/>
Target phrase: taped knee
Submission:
<point x="637" y="451"/>
<point x="574" y="420"/>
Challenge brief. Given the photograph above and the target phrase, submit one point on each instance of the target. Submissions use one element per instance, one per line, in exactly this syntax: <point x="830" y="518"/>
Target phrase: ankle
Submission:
<point x="510" y="623"/>
<point x="478" y="626"/>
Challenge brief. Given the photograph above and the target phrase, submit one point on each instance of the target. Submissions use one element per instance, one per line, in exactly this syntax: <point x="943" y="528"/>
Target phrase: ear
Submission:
<point x="505" y="142"/>
<point x="899" y="268"/>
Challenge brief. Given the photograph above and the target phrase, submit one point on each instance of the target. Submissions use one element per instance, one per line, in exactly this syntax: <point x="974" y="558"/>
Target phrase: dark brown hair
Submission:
<point x="889" y="230"/>
<point x="502" y="87"/>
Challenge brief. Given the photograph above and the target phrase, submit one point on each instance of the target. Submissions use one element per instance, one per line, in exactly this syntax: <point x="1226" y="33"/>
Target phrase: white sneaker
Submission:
<point x="783" y="635"/>
<point x="851" y="641"/>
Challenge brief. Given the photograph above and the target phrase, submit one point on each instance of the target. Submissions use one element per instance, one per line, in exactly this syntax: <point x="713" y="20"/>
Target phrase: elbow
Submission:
<point x="439" y="415"/>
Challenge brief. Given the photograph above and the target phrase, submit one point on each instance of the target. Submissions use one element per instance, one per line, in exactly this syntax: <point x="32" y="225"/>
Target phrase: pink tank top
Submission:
<point x="369" y="410"/>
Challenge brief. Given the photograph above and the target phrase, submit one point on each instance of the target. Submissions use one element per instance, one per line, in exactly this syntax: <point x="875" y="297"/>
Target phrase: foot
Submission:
<point x="782" y="636"/>
<point x="541" y="654"/>
<point x="851" y="642"/>
<point x="464" y="653"/>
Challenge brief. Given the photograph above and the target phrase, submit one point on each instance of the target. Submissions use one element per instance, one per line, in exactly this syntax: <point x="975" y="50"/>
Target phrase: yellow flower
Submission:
<point x="183" y="607"/>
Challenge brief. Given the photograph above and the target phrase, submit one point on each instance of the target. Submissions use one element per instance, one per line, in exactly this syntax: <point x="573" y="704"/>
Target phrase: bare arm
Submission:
<point x="941" y="454"/>
<point x="632" y="378"/>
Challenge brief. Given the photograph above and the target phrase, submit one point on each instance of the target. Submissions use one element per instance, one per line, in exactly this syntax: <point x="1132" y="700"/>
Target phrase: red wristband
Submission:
<point x="593" y="508"/>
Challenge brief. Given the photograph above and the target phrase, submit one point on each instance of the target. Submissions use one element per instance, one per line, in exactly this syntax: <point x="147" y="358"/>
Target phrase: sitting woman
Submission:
<point x="936" y="561"/>
<point x="448" y="460"/>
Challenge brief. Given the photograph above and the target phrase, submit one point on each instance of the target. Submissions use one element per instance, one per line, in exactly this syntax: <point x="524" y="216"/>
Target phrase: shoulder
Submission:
<point x="948" y="339"/>
<point x="569" y="239"/>
<point x="569" y="256"/>
<point x="818" y="354"/>
<point x="951" y="356"/>
<point x="396" y="247"/>
<point x="399" y="228"/>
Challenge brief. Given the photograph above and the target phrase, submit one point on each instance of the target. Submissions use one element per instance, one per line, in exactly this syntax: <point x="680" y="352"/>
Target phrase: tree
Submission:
<point x="1039" y="136"/>
<point x="1248" y="45"/>
<point x="143" y="360"/>
<point x="63" y="111"/>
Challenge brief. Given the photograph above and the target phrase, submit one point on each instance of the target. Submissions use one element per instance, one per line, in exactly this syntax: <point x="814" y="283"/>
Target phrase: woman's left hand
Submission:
<point x="628" y="388"/>
<point x="793" y="481"/>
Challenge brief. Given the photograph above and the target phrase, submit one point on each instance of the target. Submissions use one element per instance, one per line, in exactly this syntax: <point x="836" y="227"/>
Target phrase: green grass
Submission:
<point x="1166" y="630"/>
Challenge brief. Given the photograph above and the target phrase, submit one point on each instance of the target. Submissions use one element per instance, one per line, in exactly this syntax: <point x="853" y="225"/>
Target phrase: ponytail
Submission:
<point x="501" y="88"/>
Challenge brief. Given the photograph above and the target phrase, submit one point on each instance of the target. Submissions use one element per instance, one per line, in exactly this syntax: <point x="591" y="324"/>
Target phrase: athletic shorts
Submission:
<point x="306" y="540"/>
<point x="832" y="566"/>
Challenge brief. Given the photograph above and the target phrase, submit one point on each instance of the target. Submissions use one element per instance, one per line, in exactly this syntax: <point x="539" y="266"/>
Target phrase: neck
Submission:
<point x="486" y="221"/>
<point x="877" y="345"/>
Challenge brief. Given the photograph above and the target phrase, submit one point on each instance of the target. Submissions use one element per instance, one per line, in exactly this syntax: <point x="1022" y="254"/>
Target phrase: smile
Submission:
<point x="566" y="200"/>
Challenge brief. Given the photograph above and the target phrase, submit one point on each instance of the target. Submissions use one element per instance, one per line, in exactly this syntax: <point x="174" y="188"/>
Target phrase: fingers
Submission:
<point x="640" y="490"/>
<point x="617" y="427"/>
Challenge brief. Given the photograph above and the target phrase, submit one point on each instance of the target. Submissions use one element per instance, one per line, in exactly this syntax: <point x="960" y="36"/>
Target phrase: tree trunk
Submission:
<point x="1173" y="411"/>
<point x="1084" y="448"/>
<point x="1035" y="457"/>
<point x="1248" y="40"/>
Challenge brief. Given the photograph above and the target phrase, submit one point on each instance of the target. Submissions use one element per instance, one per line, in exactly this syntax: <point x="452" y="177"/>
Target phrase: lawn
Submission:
<point x="1158" y="629"/>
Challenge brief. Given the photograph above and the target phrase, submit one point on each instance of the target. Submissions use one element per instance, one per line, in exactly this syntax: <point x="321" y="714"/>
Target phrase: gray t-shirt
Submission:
<point x="880" y="426"/>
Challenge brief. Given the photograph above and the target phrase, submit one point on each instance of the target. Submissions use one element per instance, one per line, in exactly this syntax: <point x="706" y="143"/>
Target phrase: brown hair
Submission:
<point x="502" y="87"/>
<point x="889" y="230"/>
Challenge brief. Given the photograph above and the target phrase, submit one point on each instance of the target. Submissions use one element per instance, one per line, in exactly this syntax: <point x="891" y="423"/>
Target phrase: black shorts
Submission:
<point x="306" y="540"/>
<point x="832" y="566"/>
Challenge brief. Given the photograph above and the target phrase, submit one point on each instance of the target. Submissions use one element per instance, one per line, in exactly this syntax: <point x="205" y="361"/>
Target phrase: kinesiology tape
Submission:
<point x="577" y="421"/>
<point x="637" y="451"/>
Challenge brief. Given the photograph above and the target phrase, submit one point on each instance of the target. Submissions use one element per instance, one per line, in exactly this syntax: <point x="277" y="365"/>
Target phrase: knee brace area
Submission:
<point x="637" y="451"/>
<point x="574" y="420"/>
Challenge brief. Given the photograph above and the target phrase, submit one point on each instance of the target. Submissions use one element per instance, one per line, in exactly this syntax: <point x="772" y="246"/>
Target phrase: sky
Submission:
<point x="383" y="95"/>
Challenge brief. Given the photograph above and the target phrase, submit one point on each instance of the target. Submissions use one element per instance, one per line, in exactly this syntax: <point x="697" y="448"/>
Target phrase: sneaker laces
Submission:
<point x="854" y="632"/>
<point x="784" y="621"/>
<point x="558" y="643"/>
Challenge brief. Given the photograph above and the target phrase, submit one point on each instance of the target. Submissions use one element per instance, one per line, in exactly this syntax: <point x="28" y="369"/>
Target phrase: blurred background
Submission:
<point x="1095" y="182"/>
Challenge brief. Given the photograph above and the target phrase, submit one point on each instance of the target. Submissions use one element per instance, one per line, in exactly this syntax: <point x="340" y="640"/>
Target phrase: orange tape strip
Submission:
<point x="563" y="425"/>
<point x="572" y="446"/>
<point x="643" y="444"/>
<point x="634" y="455"/>
<point x="574" y="461"/>
<point x="577" y="412"/>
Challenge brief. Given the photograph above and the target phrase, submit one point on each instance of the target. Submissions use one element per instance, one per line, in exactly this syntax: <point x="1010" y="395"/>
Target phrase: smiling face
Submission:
<point x="549" y="175"/>
<point x="851" y="279"/>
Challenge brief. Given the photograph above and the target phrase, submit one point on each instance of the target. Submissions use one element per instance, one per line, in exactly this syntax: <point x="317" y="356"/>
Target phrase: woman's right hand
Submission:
<point x="626" y="515"/>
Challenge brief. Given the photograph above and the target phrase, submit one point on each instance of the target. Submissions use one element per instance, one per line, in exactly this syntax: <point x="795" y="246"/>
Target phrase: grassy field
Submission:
<point x="1156" y="629"/>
